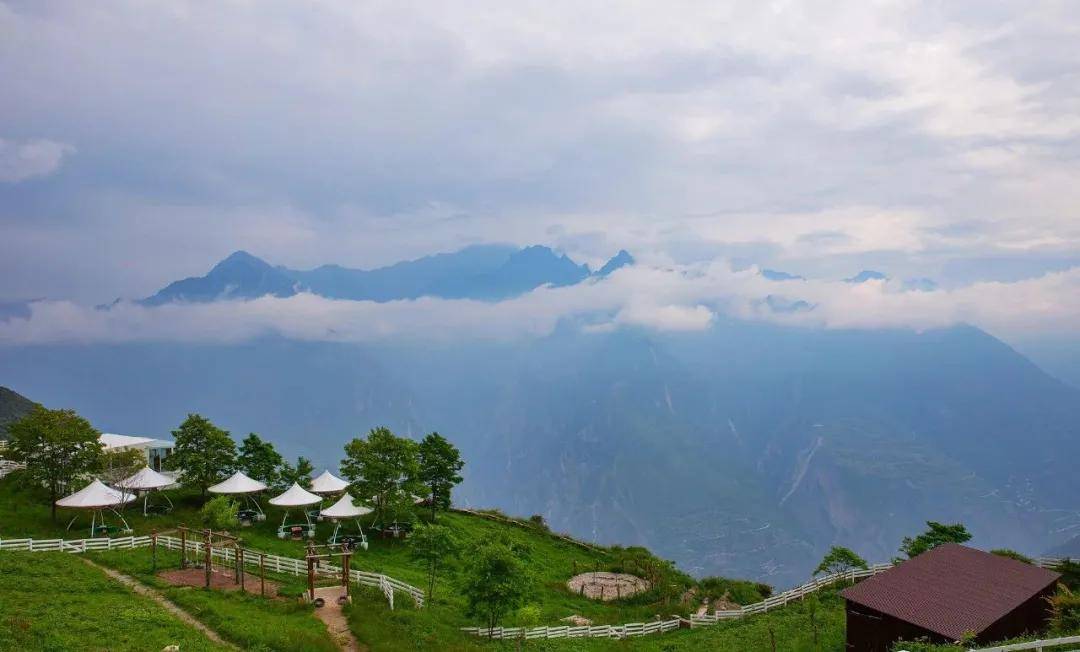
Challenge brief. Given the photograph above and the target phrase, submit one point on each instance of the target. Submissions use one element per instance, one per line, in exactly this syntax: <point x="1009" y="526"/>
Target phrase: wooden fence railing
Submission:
<point x="276" y="563"/>
<point x="1038" y="646"/>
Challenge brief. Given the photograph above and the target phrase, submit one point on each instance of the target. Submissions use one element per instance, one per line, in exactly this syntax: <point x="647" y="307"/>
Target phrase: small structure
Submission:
<point x="296" y="496"/>
<point x="344" y="508"/>
<point x="239" y="484"/>
<point x="328" y="484"/>
<point x="601" y="585"/>
<point x="946" y="594"/>
<point x="96" y="498"/>
<point x="147" y="480"/>
<point x="155" y="450"/>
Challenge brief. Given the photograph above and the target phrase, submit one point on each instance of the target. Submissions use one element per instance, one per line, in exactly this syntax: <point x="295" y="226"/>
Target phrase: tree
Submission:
<point x="432" y="545"/>
<point x="220" y="513"/>
<point x="57" y="447"/>
<point x="259" y="459"/>
<point x="838" y="560"/>
<point x="935" y="535"/>
<point x="381" y="467"/>
<point x="300" y="474"/>
<point x="204" y="453"/>
<point x="116" y="465"/>
<point x="495" y="581"/>
<point x="440" y="461"/>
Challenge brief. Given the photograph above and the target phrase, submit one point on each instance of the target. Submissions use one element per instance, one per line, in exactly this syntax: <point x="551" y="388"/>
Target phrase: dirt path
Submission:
<point x="336" y="623"/>
<point x="155" y="595"/>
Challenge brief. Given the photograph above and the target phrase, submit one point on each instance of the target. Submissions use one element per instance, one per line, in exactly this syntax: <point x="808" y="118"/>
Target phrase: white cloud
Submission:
<point x="33" y="158"/>
<point x="665" y="299"/>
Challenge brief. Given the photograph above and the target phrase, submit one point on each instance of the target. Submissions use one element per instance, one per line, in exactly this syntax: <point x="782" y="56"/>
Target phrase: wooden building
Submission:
<point x="946" y="594"/>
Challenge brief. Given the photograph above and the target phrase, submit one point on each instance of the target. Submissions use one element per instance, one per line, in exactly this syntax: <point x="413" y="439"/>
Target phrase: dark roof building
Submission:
<point x="946" y="594"/>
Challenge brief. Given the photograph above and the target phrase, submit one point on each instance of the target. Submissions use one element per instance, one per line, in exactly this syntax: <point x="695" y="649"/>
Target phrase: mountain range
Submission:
<point x="483" y="272"/>
<point x="746" y="449"/>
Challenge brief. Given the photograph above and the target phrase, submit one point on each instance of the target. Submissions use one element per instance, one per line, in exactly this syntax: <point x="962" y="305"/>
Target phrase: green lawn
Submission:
<point x="54" y="601"/>
<point x="250" y="621"/>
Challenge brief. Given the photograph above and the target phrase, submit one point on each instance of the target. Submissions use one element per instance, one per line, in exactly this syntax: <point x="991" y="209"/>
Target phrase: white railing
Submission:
<point x="583" y="631"/>
<point x="1038" y="646"/>
<point x="276" y="563"/>
<point x="7" y="466"/>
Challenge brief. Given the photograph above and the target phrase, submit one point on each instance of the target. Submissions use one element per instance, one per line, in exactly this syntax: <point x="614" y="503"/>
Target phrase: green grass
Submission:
<point x="53" y="601"/>
<point x="250" y="621"/>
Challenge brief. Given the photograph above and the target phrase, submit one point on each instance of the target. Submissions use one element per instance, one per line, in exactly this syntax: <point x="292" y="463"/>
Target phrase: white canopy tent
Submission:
<point x="328" y="483"/>
<point x="239" y="484"/>
<point x="344" y="508"/>
<point x="295" y="496"/>
<point x="147" y="480"/>
<point x="97" y="497"/>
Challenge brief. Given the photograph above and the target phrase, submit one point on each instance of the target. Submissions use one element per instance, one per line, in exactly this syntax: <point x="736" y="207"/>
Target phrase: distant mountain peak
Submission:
<point x="619" y="260"/>
<point x="866" y="275"/>
<point x="774" y="275"/>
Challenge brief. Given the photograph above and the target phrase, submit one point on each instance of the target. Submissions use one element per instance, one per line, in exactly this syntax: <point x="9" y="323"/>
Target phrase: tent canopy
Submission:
<point x="237" y="483"/>
<point x="328" y="483"/>
<point x="295" y="496"/>
<point x="345" y="508"/>
<point x="95" y="495"/>
<point x="146" y="479"/>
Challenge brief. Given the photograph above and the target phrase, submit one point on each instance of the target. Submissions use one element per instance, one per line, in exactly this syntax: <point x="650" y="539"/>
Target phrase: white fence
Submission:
<point x="7" y="466"/>
<point x="660" y="626"/>
<point x="1038" y="646"/>
<point x="275" y="563"/>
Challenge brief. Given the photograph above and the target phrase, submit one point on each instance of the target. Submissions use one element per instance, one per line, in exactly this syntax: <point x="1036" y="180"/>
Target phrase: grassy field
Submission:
<point x="53" y="601"/>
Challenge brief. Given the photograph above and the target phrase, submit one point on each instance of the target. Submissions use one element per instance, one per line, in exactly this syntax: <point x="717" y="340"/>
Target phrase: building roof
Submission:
<point x="952" y="589"/>
<point x="295" y="496"/>
<point x="328" y="483"/>
<point x="345" y="508"/>
<point x="237" y="483"/>
<point x="95" y="495"/>
<point x="111" y="441"/>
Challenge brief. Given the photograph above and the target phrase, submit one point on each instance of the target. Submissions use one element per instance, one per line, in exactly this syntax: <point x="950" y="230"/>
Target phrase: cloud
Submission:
<point x="33" y="158"/>
<point x="663" y="299"/>
<point x="913" y="135"/>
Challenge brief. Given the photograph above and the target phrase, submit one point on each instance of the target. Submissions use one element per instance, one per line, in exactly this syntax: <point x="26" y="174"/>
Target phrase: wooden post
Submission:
<point x="209" y="545"/>
<point x="153" y="549"/>
<point x="311" y="577"/>
<point x="262" y="574"/>
<point x="240" y="565"/>
<point x="183" y="547"/>
<point x="345" y="571"/>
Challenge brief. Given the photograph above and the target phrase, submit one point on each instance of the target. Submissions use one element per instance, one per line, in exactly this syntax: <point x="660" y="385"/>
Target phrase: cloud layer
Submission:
<point x="35" y="158"/>
<point x="924" y="139"/>
<point x="662" y="299"/>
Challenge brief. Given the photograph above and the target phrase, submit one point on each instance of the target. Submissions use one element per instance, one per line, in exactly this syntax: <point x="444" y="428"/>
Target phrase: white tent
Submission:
<point x="97" y="497"/>
<point x="328" y="483"/>
<point x="239" y="484"/>
<point x="295" y="496"/>
<point x="345" y="508"/>
<point x="147" y="480"/>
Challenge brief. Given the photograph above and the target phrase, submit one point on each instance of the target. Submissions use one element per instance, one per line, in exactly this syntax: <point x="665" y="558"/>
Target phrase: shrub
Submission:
<point x="741" y="592"/>
<point x="1011" y="554"/>
<point x="1070" y="573"/>
<point x="537" y="521"/>
<point x="219" y="513"/>
<point x="1066" y="612"/>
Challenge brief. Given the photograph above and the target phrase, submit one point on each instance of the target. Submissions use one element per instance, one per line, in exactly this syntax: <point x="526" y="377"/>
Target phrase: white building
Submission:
<point x="155" y="450"/>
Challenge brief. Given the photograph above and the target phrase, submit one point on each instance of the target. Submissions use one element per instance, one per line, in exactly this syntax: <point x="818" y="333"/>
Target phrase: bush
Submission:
<point x="537" y="521"/>
<point x="219" y="513"/>
<point x="1070" y="573"/>
<point x="1011" y="554"/>
<point x="741" y="592"/>
<point x="1066" y="612"/>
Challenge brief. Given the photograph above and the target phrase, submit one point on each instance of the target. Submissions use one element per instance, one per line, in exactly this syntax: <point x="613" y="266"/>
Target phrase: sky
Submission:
<point x="142" y="142"/>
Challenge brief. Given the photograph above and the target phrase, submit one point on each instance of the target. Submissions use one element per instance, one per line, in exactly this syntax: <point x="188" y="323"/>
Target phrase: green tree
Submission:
<point x="935" y="535"/>
<point x="116" y="465"/>
<point x="495" y="580"/>
<point x="440" y="461"/>
<point x="259" y="459"/>
<point x="300" y="474"/>
<point x="381" y="467"/>
<point x="204" y="453"/>
<point x="838" y="560"/>
<point x="57" y="447"/>
<point x="432" y="545"/>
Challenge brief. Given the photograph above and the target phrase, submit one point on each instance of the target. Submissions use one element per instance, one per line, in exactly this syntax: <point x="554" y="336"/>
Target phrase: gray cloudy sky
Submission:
<point x="141" y="142"/>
